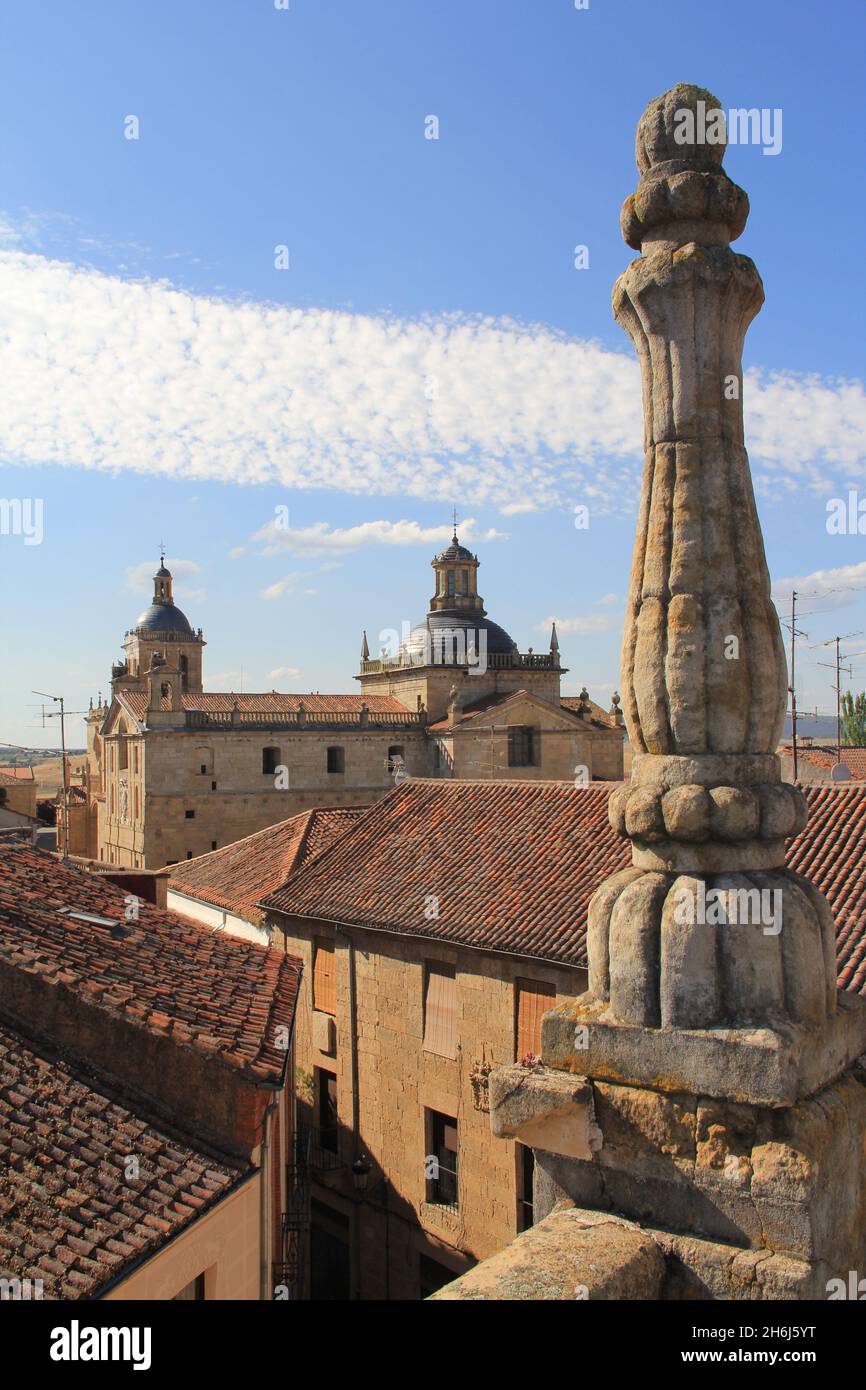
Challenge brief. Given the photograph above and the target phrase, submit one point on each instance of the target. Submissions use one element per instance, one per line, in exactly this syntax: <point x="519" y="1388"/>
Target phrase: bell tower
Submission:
<point x="161" y="631"/>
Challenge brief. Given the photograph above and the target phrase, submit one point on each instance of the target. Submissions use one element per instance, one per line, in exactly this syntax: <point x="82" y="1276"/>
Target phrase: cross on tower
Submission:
<point x="454" y="515"/>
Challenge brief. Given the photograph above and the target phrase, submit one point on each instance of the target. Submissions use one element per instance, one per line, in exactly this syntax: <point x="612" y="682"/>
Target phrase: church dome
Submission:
<point x="432" y="633"/>
<point x="455" y="551"/>
<point x="163" y="617"/>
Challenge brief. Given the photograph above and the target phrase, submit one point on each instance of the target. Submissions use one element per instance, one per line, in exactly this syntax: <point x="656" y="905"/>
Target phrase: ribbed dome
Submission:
<point x="162" y="617"/>
<point x="472" y="624"/>
<point x="455" y="551"/>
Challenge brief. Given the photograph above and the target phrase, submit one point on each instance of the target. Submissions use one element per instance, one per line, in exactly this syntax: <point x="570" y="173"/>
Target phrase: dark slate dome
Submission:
<point x="162" y="617"/>
<point x="455" y="551"/>
<point x="498" y="640"/>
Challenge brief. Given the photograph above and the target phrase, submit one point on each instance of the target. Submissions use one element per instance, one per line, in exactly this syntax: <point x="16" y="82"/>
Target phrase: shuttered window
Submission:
<point x="534" y="998"/>
<point x="324" y="992"/>
<point x="440" y="1011"/>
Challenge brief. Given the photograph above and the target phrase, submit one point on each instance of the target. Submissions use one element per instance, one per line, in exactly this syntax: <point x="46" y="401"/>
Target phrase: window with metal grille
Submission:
<point x="441" y="1160"/>
<point x="534" y="998"/>
<point x="440" y="1010"/>
<point x="326" y="1087"/>
<point x="524" y="746"/>
<point x="324" y="991"/>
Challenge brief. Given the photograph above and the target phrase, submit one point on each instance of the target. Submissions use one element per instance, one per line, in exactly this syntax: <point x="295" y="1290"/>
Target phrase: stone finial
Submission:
<point x="554" y="643"/>
<point x="683" y="194"/>
<point x="365" y="649"/>
<point x="704" y="679"/>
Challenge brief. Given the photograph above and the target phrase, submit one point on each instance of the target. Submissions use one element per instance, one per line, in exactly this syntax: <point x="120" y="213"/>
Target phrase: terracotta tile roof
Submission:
<point x="853" y="758"/>
<point x="597" y="715"/>
<point x="832" y="852"/>
<point x="237" y="876"/>
<point x="68" y="1213"/>
<point x="202" y="989"/>
<point x="13" y="775"/>
<point x="271" y="702"/>
<point x="477" y="707"/>
<point x="514" y="865"/>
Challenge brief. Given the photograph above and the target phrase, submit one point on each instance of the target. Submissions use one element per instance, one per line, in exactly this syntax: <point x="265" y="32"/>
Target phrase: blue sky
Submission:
<point x="430" y="344"/>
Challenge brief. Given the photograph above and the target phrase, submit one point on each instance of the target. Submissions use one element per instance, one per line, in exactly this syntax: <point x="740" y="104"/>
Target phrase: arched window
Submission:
<point x="184" y="673"/>
<point x="465" y="589"/>
<point x="450" y="583"/>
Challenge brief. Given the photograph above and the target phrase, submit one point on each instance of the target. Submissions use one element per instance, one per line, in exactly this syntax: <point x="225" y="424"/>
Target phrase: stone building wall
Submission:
<point x="433" y="687"/>
<point x="397" y="1082"/>
<point x="169" y="783"/>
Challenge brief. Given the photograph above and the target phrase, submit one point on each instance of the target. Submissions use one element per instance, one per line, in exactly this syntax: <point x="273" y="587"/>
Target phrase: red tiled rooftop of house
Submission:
<point x="202" y="989"/>
<point x="69" y="1213"/>
<point x="270" y="702"/>
<point x="512" y="866"/>
<point x="237" y="876"/>
<point x="827" y="757"/>
<point x="13" y="775"/>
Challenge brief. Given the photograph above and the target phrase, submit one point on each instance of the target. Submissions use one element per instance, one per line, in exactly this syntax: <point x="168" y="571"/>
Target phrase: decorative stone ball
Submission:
<point x="656" y="139"/>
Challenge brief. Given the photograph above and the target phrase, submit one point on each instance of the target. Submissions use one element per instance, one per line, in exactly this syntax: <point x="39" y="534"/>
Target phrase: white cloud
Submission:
<point x="283" y="671"/>
<point x="581" y="623"/>
<point x="140" y="576"/>
<point x="101" y="372"/>
<point x="281" y="587"/>
<point x="606" y="600"/>
<point x="320" y="539"/>
<point x="836" y="588"/>
<point x="236" y="552"/>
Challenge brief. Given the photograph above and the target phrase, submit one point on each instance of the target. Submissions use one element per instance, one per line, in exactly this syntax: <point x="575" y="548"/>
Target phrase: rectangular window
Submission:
<point x="336" y="760"/>
<point x="534" y="998"/>
<point x="524" y="746"/>
<point x="324" y="989"/>
<point x="326" y="1100"/>
<point x="441" y="1160"/>
<point x="270" y="761"/>
<point x="440" y="1010"/>
<point x="193" y="1292"/>
<point x="525" y="1172"/>
<point x="190" y="815"/>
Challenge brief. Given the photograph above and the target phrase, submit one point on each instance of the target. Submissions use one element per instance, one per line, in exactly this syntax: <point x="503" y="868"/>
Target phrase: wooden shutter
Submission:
<point x="534" y="998"/>
<point x="440" y="1011"/>
<point x="324" y="992"/>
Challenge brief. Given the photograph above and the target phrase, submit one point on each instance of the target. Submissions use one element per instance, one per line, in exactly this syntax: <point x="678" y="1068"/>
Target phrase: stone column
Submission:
<point x="707" y="932"/>
<point x="724" y="1108"/>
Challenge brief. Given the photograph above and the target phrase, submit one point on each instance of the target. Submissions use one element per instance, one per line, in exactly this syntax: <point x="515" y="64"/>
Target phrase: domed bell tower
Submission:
<point x="164" y="632"/>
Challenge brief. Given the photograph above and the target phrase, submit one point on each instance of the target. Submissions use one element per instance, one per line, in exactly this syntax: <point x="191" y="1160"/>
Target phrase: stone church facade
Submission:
<point x="174" y="771"/>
